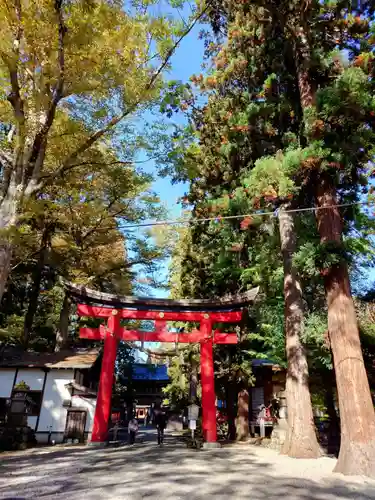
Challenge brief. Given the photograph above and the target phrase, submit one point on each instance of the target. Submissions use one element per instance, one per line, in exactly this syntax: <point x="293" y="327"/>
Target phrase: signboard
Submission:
<point x="193" y="412"/>
<point x="192" y="425"/>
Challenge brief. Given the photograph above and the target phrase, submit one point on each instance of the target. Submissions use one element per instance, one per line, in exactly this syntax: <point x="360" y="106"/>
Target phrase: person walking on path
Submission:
<point x="160" y="419"/>
<point x="132" y="430"/>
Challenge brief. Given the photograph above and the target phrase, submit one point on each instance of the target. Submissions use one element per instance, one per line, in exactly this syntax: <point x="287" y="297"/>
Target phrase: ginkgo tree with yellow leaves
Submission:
<point x="74" y="231"/>
<point x="71" y="73"/>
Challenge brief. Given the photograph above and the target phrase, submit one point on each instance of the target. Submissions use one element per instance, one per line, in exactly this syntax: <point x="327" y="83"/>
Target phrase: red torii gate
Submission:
<point x="113" y="332"/>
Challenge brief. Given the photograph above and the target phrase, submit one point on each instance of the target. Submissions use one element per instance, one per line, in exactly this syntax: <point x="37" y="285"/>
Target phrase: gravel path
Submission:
<point x="173" y="472"/>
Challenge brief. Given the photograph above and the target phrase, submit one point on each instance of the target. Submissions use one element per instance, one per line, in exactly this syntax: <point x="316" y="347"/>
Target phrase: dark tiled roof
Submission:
<point x="266" y="362"/>
<point x="262" y="362"/>
<point x="78" y="358"/>
<point x="143" y="371"/>
<point x="228" y="303"/>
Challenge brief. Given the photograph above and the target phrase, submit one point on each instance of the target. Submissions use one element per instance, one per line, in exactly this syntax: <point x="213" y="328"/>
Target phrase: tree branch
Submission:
<point x="101" y="220"/>
<point x="26" y="259"/>
<point x="38" y="149"/>
<point x="82" y="164"/>
<point x="5" y="157"/>
<point x="14" y="97"/>
<point x="117" y="119"/>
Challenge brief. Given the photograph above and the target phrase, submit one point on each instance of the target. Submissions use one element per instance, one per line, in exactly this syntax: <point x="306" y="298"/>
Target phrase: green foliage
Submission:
<point x="21" y="386"/>
<point x="177" y="391"/>
<point x="260" y="141"/>
<point x="78" y="182"/>
<point x="12" y="329"/>
<point x="124" y="391"/>
<point x="270" y="173"/>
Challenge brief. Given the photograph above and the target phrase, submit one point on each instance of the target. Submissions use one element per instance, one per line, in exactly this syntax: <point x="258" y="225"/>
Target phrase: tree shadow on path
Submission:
<point x="171" y="472"/>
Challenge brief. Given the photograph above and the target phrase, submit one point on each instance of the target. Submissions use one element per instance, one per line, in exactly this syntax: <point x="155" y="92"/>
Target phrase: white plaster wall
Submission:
<point x="6" y="382"/>
<point x="57" y="437"/>
<point x="32" y="377"/>
<point x="86" y="403"/>
<point x="52" y="412"/>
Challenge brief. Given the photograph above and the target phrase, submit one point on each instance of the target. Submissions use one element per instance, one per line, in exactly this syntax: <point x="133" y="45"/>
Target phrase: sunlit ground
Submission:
<point x="173" y="472"/>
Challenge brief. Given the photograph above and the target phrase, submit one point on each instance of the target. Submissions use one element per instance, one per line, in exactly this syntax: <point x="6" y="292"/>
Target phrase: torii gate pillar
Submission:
<point x="208" y="385"/>
<point x="104" y="399"/>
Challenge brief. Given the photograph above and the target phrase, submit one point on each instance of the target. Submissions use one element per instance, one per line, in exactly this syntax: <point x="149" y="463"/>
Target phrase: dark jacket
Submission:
<point x="160" y="418"/>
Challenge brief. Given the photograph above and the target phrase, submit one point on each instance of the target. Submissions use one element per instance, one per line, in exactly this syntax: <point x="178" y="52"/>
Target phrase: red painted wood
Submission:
<point x="158" y="336"/>
<point x="225" y="338"/>
<point x="160" y="325"/>
<point x="93" y="333"/>
<point x="93" y="312"/>
<point x="103" y="404"/>
<point x="105" y="312"/>
<point x="115" y="332"/>
<point x="208" y="385"/>
<point x="162" y="336"/>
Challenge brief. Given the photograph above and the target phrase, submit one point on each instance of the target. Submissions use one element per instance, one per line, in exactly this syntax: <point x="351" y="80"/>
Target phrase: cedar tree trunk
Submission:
<point x="242" y="421"/>
<point x="231" y="391"/>
<point x="333" y="443"/>
<point x="301" y="440"/>
<point x="357" y="416"/>
<point x="193" y="379"/>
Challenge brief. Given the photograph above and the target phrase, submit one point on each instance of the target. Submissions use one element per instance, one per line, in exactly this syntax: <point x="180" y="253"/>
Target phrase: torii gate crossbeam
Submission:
<point x="113" y="332"/>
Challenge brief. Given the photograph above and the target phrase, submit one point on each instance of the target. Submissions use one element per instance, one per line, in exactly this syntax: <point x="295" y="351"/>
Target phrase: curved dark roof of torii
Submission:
<point x="230" y="303"/>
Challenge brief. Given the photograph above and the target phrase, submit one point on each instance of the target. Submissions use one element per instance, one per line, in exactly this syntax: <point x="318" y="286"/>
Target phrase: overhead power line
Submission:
<point x="218" y="218"/>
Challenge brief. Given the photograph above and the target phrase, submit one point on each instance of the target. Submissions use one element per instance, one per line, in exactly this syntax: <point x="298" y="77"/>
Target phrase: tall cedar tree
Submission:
<point x="327" y="162"/>
<point x="273" y="110"/>
<point x="325" y="115"/>
<point x="240" y="124"/>
<point x="341" y="116"/>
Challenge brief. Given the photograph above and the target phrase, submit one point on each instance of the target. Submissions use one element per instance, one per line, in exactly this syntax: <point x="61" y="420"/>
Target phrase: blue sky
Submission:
<point x="186" y="61"/>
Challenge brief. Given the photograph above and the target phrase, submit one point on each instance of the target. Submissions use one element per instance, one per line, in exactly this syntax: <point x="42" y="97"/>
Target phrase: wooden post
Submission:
<point x="262" y="427"/>
<point x="208" y="385"/>
<point x="103" y="404"/>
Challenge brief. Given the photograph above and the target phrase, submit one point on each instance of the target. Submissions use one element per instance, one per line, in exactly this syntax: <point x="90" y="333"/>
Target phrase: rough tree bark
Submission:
<point x="230" y="393"/>
<point x="63" y="329"/>
<point x="8" y="209"/>
<point x="333" y="442"/>
<point x="5" y="260"/>
<point x="242" y="420"/>
<point x="193" y="379"/>
<point x="301" y="440"/>
<point x="34" y="293"/>
<point x="357" y="416"/>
